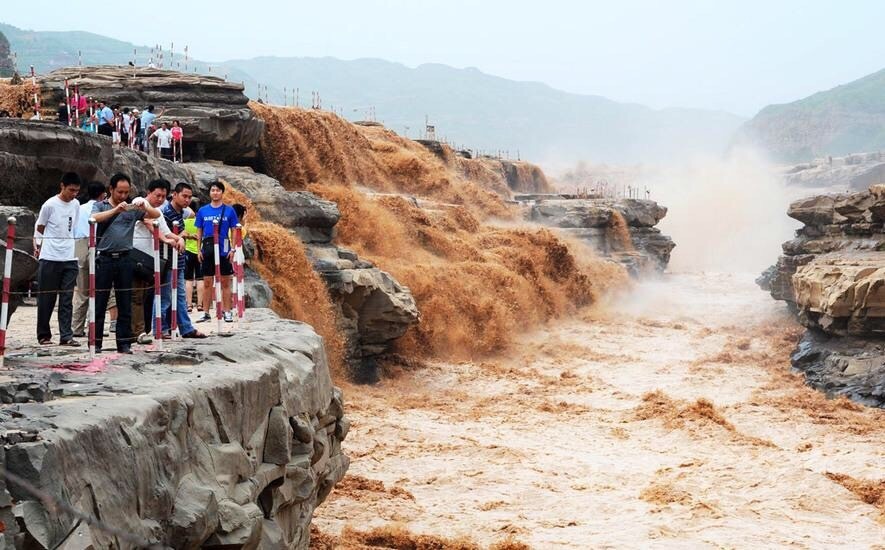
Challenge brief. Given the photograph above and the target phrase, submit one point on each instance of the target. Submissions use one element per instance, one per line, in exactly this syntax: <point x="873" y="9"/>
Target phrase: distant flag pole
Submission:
<point x="80" y="63"/>
<point x="185" y="59"/>
<point x="134" y="60"/>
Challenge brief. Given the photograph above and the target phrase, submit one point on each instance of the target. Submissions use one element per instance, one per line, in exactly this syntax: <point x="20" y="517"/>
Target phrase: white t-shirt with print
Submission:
<point x="60" y="219"/>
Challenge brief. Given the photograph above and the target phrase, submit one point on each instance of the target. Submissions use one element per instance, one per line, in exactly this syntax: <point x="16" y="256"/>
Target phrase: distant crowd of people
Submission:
<point x="125" y="258"/>
<point x="127" y="127"/>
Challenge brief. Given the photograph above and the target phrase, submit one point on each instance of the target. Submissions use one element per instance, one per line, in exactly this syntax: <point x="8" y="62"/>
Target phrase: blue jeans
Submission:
<point x="184" y="319"/>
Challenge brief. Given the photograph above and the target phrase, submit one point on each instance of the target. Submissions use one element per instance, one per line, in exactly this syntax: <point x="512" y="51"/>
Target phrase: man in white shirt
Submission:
<point x="164" y="141"/>
<point x="57" y="271"/>
<point x="143" y="240"/>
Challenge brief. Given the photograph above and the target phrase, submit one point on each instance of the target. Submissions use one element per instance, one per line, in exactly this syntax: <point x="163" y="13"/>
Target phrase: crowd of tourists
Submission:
<point x="124" y="265"/>
<point x="127" y="127"/>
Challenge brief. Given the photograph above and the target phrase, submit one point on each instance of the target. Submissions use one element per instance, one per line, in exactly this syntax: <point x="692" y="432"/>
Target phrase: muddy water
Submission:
<point x="667" y="417"/>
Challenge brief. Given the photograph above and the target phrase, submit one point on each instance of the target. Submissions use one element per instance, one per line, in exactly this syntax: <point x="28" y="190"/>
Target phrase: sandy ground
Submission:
<point x="667" y="418"/>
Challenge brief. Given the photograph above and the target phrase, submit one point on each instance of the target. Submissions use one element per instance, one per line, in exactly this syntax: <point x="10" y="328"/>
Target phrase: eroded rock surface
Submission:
<point x="623" y="229"/>
<point x="374" y="309"/>
<point x="35" y="154"/>
<point x="833" y="276"/>
<point x="214" y="113"/>
<point x="225" y="443"/>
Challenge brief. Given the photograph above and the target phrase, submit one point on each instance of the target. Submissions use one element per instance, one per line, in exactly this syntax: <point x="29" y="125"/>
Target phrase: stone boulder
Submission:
<point x="214" y="113"/>
<point x="642" y="248"/>
<point x="374" y="309"/>
<point x="223" y="443"/>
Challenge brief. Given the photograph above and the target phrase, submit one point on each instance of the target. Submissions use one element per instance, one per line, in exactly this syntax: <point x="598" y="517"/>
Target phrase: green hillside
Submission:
<point x="846" y="119"/>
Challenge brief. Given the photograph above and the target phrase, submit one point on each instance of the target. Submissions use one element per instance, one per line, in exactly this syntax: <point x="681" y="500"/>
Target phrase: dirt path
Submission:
<point x="670" y="418"/>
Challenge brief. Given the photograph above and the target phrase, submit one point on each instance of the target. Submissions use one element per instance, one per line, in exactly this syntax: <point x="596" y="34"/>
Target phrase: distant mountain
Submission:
<point x="847" y="119"/>
<point x="478" y="110"/>
<point x="469" y="108"/>
<point x="47" y="51"/>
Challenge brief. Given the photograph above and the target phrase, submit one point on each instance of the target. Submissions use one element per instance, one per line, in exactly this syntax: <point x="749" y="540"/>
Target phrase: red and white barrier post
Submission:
<point x="240" y="271"/>
<point x="173" y="319"/>
<point x="36" y="97"/>
<point x="235" y="283"/>
<point x="68" y="100"/>
<point x="158" y="309"/>
<point x="218" y="305"/>
<point x="91" y="314"/>
<point x="7" y="276"/>
<point x="76" y="106"/>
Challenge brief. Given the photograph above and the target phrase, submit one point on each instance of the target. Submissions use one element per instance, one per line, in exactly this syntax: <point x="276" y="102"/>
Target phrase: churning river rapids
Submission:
<point x="666" y="417"/>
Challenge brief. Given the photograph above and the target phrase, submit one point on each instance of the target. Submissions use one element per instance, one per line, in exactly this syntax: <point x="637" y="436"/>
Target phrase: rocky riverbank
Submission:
<point x="213" y="444"/>
<point x="832" y="275"/>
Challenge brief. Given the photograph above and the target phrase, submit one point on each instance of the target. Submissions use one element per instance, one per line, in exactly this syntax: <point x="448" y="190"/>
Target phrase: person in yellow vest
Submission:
<point x="192" y="260"/>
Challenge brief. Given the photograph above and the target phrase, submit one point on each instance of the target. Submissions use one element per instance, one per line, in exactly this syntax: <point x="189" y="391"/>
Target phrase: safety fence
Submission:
<point x="238" y="295"/>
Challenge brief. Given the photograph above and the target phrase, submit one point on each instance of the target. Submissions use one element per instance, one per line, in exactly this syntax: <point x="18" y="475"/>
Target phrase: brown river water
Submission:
<point x="666" y="417"/>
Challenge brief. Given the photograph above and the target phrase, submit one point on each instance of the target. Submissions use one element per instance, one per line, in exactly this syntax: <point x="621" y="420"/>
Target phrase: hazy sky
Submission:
<point x="717" y="54"/>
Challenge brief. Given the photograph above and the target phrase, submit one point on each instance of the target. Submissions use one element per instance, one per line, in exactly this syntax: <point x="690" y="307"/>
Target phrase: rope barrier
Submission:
<point x="238" y="282"/>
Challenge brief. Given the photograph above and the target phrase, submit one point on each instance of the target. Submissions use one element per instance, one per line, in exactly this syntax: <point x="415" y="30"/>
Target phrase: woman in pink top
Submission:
<point x="177" y="137"/>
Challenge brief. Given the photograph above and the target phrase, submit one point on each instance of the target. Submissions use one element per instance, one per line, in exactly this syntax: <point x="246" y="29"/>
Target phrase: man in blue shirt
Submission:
<point x="227" y="218"/>
<point x="105" y="119"/>
<point x="176" y="210"/>
<point x="147" y="118"/>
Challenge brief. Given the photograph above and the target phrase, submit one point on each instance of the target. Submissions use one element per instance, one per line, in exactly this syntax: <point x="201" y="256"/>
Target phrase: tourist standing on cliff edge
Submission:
<point x="57" y="272"/>
<point x="177" y="210"/>
<point x="227" y="220"/>
<point x="116" y="221"/>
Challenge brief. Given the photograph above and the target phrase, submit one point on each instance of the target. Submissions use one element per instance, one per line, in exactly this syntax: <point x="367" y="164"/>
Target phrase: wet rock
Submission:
<point x="217" y="121"/>
<point x="832" y="275"/>
<point x="258" y="291"/>
<point x="592" y="220"/>
<point x="843" y="366"/>
<point x="374" y="308"/>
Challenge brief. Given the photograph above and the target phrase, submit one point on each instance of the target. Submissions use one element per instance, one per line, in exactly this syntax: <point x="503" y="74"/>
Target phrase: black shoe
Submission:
<point x="125" y="349"/>
<point x="97" y="351"/>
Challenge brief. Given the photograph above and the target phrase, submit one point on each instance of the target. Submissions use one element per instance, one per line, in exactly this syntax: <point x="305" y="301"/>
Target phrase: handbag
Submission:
<point x="143" y="265"/>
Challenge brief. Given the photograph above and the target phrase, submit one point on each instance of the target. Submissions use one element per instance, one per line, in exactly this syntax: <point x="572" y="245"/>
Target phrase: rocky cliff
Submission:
<point x="213" y="112"/>
<point x="846" y="119"/>
<point x="621" y="229"/>
<point x="375" y="310"/>
<point x="833" y="276"/>
<point x="215" y="444"/>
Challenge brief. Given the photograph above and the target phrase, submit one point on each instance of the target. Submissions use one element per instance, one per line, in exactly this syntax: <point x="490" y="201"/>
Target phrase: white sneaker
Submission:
<point x="145" y="338"/>
<point x="228" y="317"/>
